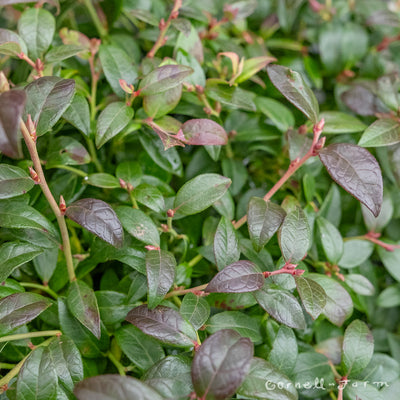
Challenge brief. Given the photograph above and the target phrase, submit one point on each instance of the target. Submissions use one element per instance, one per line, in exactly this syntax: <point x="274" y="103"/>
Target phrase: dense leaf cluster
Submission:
<point x="199" y="200"/>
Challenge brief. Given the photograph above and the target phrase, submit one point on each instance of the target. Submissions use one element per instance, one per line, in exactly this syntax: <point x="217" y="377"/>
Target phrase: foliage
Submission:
<point x="199" y="200"/>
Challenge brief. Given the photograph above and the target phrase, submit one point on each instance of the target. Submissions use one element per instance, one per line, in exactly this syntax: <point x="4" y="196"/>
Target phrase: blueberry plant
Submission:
<point x="199" y="199"/>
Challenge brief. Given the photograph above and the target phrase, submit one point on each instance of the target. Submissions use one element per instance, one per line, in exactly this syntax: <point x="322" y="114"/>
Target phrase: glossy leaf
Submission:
<point x="130" y="172"/>
<point x="337" y="122"/>
<point x="385" y="216"/>
<point x="263" y="220"/>
<point x="200" y="193"/>
<point x="149" y="196"/>
<point x="357" y="171"/>
<point x="239" y="277"/>
<point x="36" y="26"/>
<point x="164" y="324"/>
<point x="382" y="132"/>
<point x="312" y="295"/>
<point x="195" y="309"/>
<point x="99" y="218"/>
<point x="252" y="66"/>
<point x="14" y="254"/>
<point x="20" y="308"/>
<point x="358" y="347"/>
<point x="164" y="78"/>
<point x="114" y="387"/>
<point x="159" y="104"/>
<point x="221" y="364"/>
<point x="140" y="348"/>
<point x="294" y="236"/>
<point x="281" y="305"/>
<point x="265" y="381"/>
<point x="292" y="86"/>
<point x="160" y="267"/>
<point x="391" y="261"/>
<point x="103" y="180"/>
<point x="78" y="114"/>
<point x="203" y="132"/>
<point x="360" y="284"/>
<point x="65" y="150"/>
<point x="14" y="181"/>
<point x="47" y="100"/>
<point x="139" y="225"/>
<point x="355" y="252"/>
<point x="331" y="240"/>
<point x="112" y="120"/>
<point x="83" y="305"/>
<point x="279" y="114"/>
<point x="117" y="65"/>
<point x="11" y="107"/>
<point x="226" y="244"/>
<point x="11" y="44"/>
<point x="59" y="53"/>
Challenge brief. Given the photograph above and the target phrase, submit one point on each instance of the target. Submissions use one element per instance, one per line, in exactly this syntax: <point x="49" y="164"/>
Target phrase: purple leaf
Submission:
<point x="203" y="132"/>
<point x="163" y="323"/>
<point x="221" y="364"/>
<point x="99" y="218"/>
<point x="160" y="267"/>
<point x="356" y="170"/>
<point x="11" y="107"/>
<point x="239" y="277"/>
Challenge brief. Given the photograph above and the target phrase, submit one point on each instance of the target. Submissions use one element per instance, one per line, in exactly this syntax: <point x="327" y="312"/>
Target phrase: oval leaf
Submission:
<point x="221" y="364"/>
<point x="195" y="309"/>
<point x="331" y="240"/>
<point x="83" y="306"/>
<point x="312" y="296"/>
<point x="357" y="171"/>
<point x="382" y="132"/>
<point x="203" y="132"/>
<point x="263" y="220"/>
<point x="200" y="193"/>
<point x="164" y="324"/>
<point x="78" y="114"/>
<point x="226" y="244"/>
<point x="111" y="121"/>
<point x="239" y="277"/>
<point x="99" y="218"/>
<point x="292" y="86"/>
<point x="114" y="387"/>
<point x="160" y="267"/>
<point x="12" y="105"/>
<point x="14" y="181"/>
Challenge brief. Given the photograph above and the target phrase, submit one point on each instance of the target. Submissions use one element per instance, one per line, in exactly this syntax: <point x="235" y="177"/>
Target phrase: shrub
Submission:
<point x="191" y="203"/>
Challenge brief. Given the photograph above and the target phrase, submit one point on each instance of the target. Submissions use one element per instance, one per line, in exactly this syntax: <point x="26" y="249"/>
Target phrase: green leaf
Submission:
<point x="149" y="196"/>
<point x="391" y="261"/>
<point x="243" y="324"/>
<point x="382" y="220"/>
<point x="83" y="305"/>
<point x="203" y="132"/>
<point x="200" y="193"/>
<point x="46" y="263"/>
<point x="389" y="297"/>
<point x="36" y="27"/>
<point x="331" y="240"/>
<point x="117" y="65"/>
<point x="195" y="309"/>
<point x="236" y="172"/>
<point x="114" y="387"/>
<point x="141" y="349"/>
<point x="281" y="305"/>
<point x="99" y="218"/>
<point x="263" y="220"/>
<point x="312" y="296"/>
<point x="164" y="324"/>
<point x="339" y="305"/>
<point x="337" y="122"/>
<point x="382" y="132"/>
<point x="217" y="378"/>
<point x="265" y="381"/>
<point x="78" y="114"/>
<point x="226" y="244"/>
<point x="360" y="284"/>
<point x="10" y="43"/>
<point x="355" y="252"/>
<point x="47" y="100"/>
<point x="19" y="309"/>
<point x="112" y="120"/>
<point x="239" y="277"/>
<point x="365" y="391"/>
<point x="356" y="170"/>
<point x="64" y="150"/>
<point x="279" y="114"/>
<point x="11" y="107"/>
<point x="113" y="306"/>
<point x="164" y="78"/>
<point x="14" y="181"/>
<point x="139" y="225"/>
<point x="62" y="52"/>
<point x="130" y="172"/>
<point x="37" y="379"/>
<point x="159" y="104"/>
<point x="292" y="86"/>
<point x="64" y="358"/>
<point x="358" y="347"/>
<point x="252" y="66"/>
<point x="14" y="254"/>
<point x="294" y="236"/>
<point x="160" y="267"/>
<point x="103" y="180"/>
<point x="283" y="354"/>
